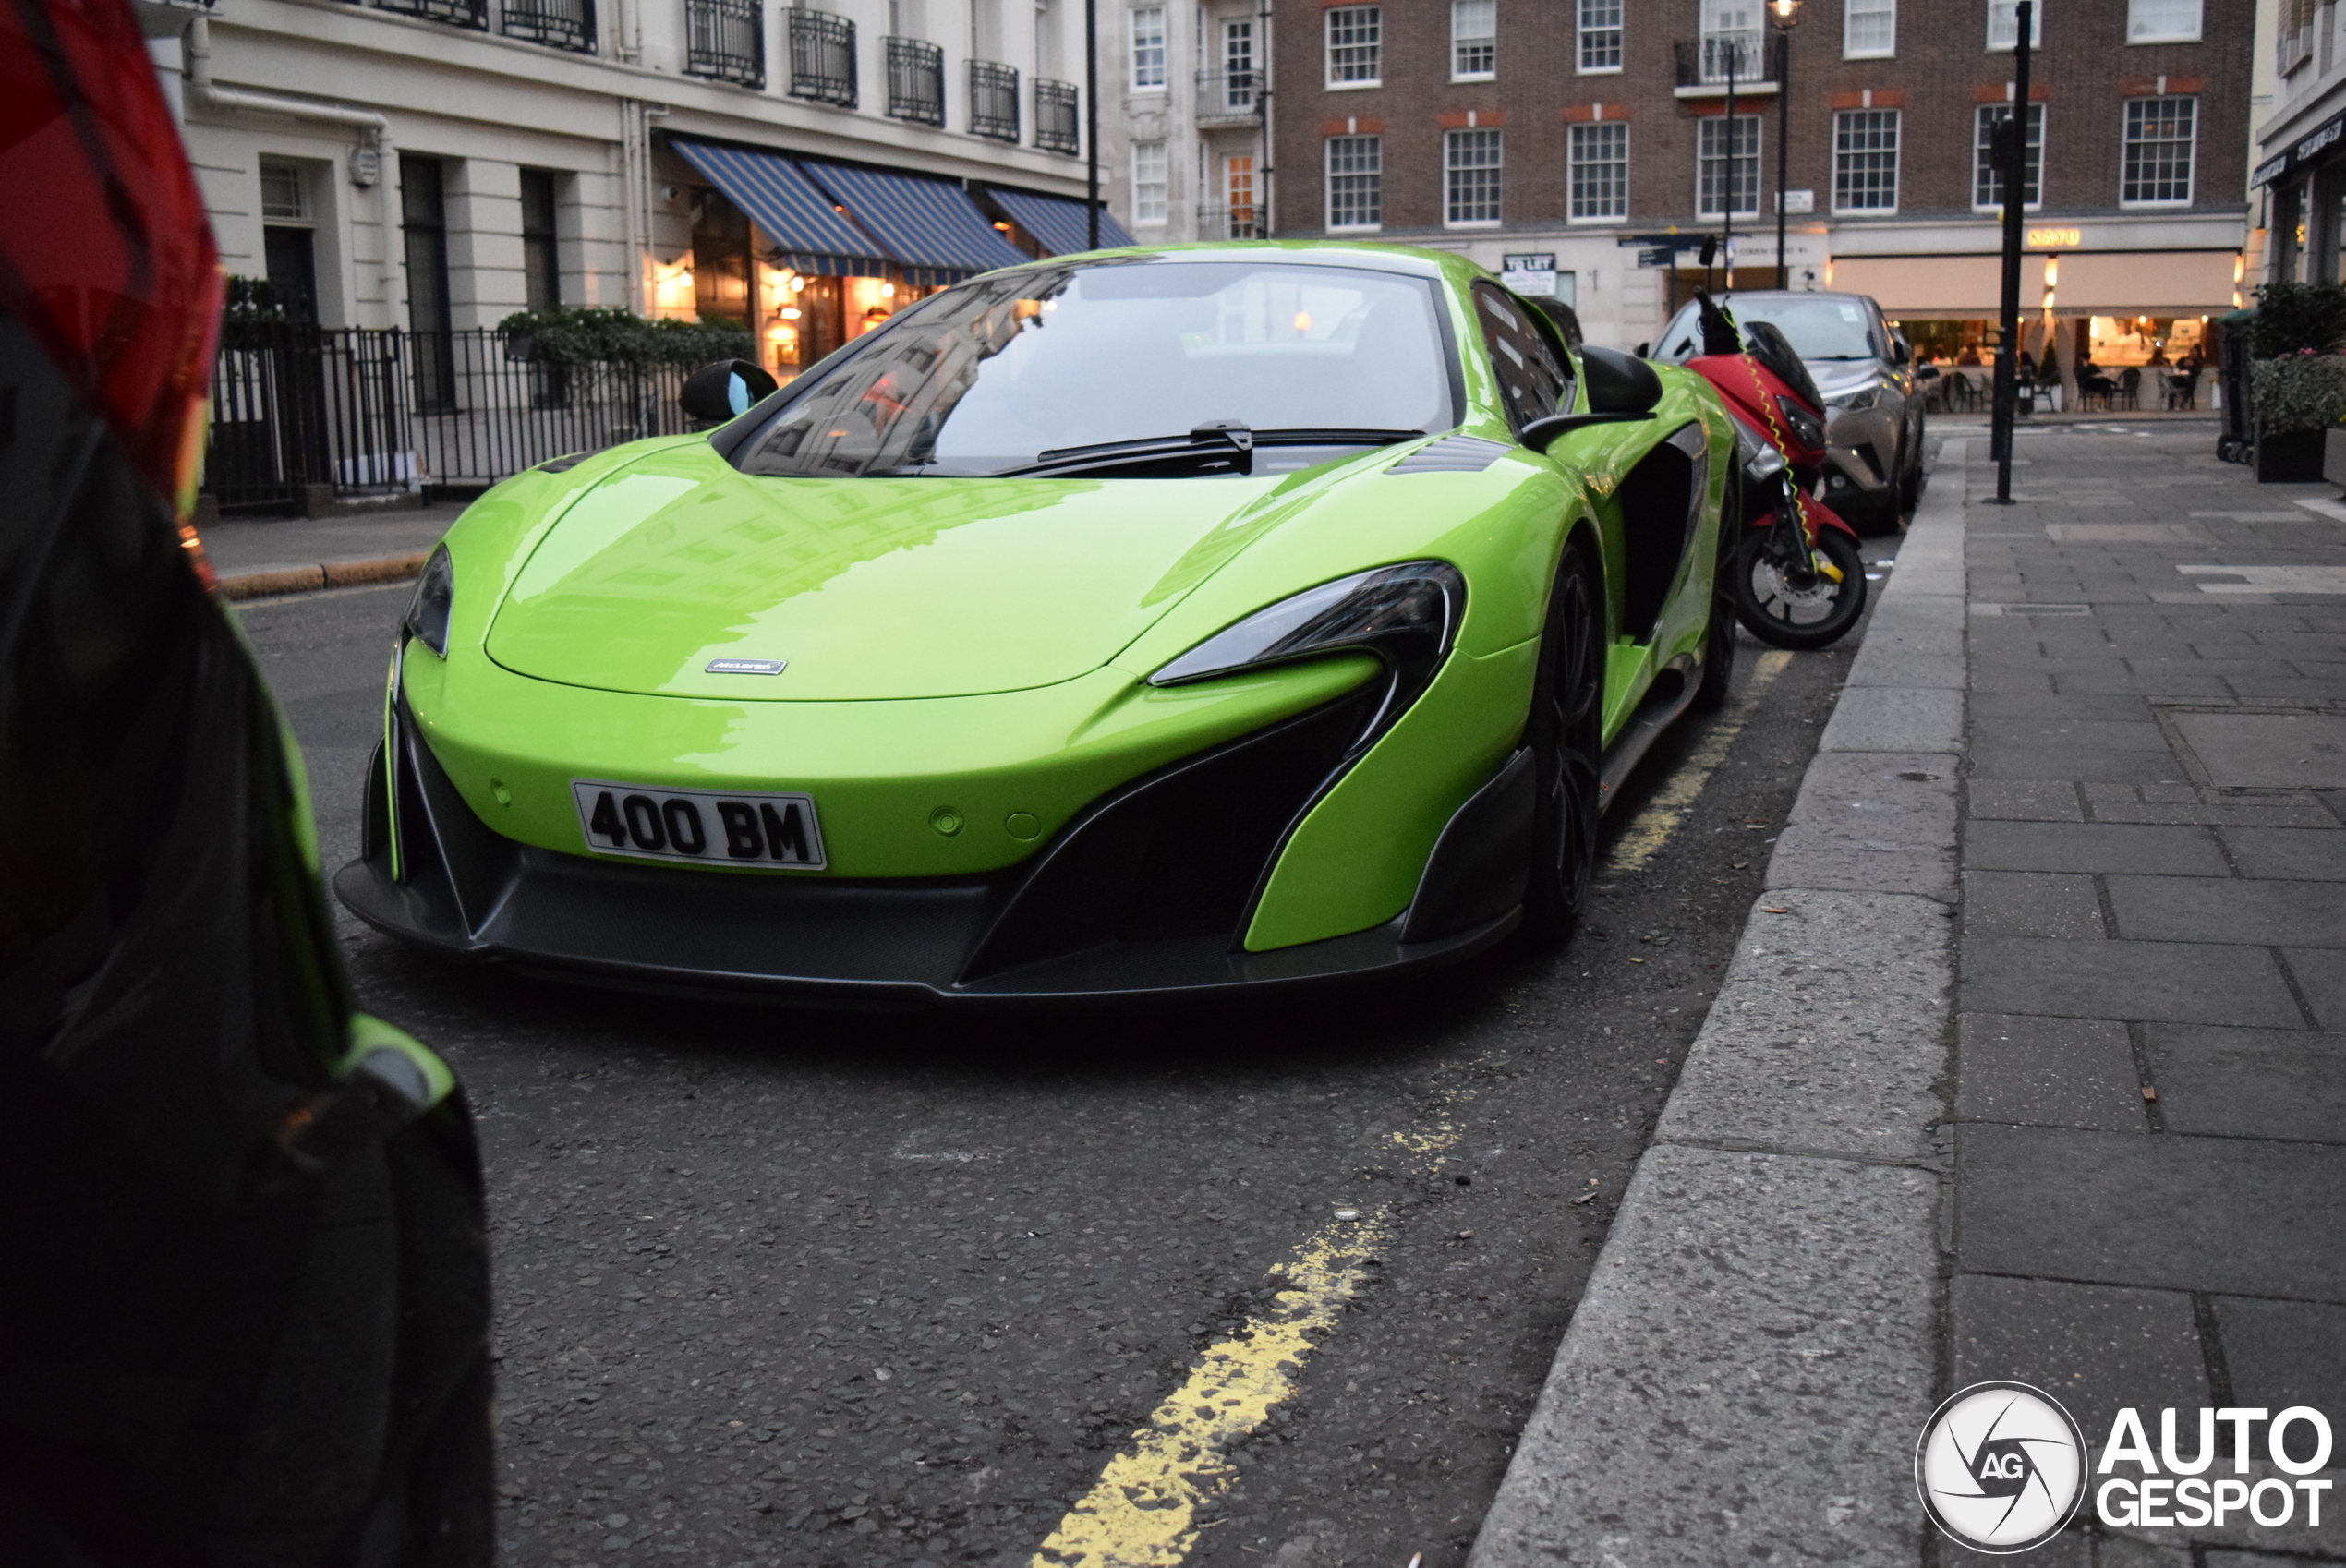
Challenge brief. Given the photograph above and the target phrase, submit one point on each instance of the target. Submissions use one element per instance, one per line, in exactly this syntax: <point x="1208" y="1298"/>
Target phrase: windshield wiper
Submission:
<point x="1222" y="441"/>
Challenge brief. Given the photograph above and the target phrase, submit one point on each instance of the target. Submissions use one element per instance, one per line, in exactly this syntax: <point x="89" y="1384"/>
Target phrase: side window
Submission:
<point x="1534" y="380"/>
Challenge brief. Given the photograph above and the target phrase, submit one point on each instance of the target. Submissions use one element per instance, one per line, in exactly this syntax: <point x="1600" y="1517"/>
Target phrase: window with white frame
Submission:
<point x="285" y="196"/>
<point x="1474" y="43"/>
<point x="1238" y="65"/>
<point x="1356" y="40"/>
<point x="2160" y="133"/>
<point x="1150" y="185"/>
<point x="2162" y="21"/>
<point x="1471" y="160"/>
<point x="1148" y="45"/>
<point x="1597" y="157"/>
<point x="1870" y="30"/>
<point x="1356" y="182"/>
<point x="1988" y="174"/>
<point x="2003" y="24"/>
<point x="1727" y="166"/>
<point x="1599" y="36"/>
<point x="1865" y="161"/>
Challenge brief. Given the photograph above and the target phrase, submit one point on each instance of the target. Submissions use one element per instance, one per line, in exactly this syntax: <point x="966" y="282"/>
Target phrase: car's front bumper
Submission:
<point x="1112" y="908"/>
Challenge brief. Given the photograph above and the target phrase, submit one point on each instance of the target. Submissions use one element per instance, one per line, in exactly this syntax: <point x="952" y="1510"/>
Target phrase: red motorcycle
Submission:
<point x="1797" y="578"/>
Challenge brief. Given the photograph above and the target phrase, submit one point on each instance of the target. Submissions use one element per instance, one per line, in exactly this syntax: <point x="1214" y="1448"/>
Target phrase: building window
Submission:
<point x="283" y="193"/>
<point x="994" y="100"/>
<point x="2003" y="24"/>
<point x="1988" y="175"/>
<point x="1356" y="45"/>
<point x="1470" y="176"/>
<point x="725" y="40"/>
<point x="1865" y="161"/>
<point x="1356" y="182"/>
<point x="1599" y="35"/>
<point x="1148" y="46"/>
<point x="288" y="245"/>
<point x="1238" y="190"/>
<point x="423" y="227"/>
<point x="1727" y="174"/>
<point x="1598" y="156"/>
<point x="1474" y="45"/>
<point x="2159" y="143"/>
<point x="2296" y="39"/>
<point x="1150" y="192"/>
<point x="1238" y="65"/>
<point x="915" y="81"/>
<point x="541" y="258"/>
<point x="1731" y="42"/>
<point x="822" y="57"/>
<point x="1870" y="30"/>
<point x="1057" y="116"/>
<point x="2162" y="21"/>
<point x="559" y="24"/>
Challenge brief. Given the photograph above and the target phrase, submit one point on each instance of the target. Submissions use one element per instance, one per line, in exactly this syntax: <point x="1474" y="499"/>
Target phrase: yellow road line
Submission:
<point x="1143" y="1512"/>
<point x="1651" y="827"/>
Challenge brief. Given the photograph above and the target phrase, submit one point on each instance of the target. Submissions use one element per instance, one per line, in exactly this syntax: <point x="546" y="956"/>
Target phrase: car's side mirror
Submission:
<point x="1900" y="354"/>
<point x="717" y="392"/>
<point x="1641" y="349"/>
<point x="1620" y="389"/>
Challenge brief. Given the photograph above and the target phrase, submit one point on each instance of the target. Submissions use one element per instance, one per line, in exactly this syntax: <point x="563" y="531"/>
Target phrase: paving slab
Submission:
<point x="2322" y="978"/>
<point x="2067" y="762"/>
<point x="2025" y="800"/>
<point x="2096" y="1349"/>
<point x="2284" y="1353"/>
<point x="2281" y="852"/>
<point x="2064" y="906"/>
<point x="2166" y="981"/>
<point x="2048" y="1072"/>
<point x="2093" y="847"/>
<point x="2249" y="1082"/>
<point x="1872" y="822"/>
<point x="2200" y="909"/>
<point x="2172" y="1212"/>
<point x="1895" y="719"/>
<point x="2269" y="751"/>
<point x="1696" y="1341"/>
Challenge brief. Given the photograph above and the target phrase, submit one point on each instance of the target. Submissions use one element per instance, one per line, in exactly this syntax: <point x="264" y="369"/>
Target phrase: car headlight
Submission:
<point x="1804" y="424"/>
<point x="435" y="596"/>
<point x="1857" y="402"/>
<point x="1406" y="615"/>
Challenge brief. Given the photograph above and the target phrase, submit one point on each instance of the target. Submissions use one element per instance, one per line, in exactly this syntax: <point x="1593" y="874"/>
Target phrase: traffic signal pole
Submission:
<point x="2015" y="151"/>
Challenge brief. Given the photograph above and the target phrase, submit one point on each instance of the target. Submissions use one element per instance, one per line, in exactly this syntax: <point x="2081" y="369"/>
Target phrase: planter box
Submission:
<point x="2290" y="457"/>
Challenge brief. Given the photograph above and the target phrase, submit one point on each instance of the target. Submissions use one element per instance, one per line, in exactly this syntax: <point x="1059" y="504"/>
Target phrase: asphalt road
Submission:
<point x="779" y="1286"/>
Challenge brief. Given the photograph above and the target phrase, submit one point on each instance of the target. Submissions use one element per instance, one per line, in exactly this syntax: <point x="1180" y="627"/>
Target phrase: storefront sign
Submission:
<point x="1530" y="271"/>
<point x="2052" y="239"/>
<point x="2327" y="135"/>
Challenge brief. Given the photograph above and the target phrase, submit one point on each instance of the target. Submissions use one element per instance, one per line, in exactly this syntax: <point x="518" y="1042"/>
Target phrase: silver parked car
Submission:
<point x="1873" y="473"/>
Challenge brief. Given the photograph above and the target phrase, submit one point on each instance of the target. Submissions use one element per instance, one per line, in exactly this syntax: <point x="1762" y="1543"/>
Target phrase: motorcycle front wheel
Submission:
<point x="1775" y="611"/>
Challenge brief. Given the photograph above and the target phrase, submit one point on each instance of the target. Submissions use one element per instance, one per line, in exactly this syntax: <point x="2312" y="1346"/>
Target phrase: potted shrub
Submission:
<point x="2296" y="401"/>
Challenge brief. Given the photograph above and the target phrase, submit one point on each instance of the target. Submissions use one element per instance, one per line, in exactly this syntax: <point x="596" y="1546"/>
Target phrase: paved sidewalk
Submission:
<point x="285" y="554"/>
<point x="2150" y="1097"/>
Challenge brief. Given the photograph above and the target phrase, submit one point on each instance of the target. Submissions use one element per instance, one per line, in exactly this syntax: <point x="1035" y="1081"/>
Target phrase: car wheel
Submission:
<point x="1565" y="731"/>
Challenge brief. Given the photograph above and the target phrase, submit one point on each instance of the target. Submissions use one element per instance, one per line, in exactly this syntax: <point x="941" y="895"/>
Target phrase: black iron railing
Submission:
<point x="456" y="13"/>
<point x="1055" y="117"/>
<point x="297" y="407"/>
<point x="725" y="40"/>
<point x="558" y="24"/>
<point x="1225" y="95"/>
<point x="1227" y="223"/>
<point x="822" y="57"/>
<point x="915" y="81"/>
<point x="1705" y="62"/>
<point x="994" y="100"/>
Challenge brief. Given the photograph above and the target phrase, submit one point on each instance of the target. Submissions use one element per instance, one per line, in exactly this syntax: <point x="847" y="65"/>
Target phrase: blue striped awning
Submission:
<point x="1057" y="222"/>
<point x="930" y="225"/>
<point x="798" y="219"/>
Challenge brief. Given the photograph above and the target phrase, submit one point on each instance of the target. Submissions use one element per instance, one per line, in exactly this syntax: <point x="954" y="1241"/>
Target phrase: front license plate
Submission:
<point x="701" y="826"/>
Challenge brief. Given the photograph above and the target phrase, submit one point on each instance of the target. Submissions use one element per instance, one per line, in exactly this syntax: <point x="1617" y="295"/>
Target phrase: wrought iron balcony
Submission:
<point x="1226" y="97"/>
<point x="456" y="13"/>
<point x="558" y="24"/>
<point x="994" y="100"/>
<point x="1705" y="62"/>
<point x="915" y="81"/>
<point x="1055" y="117"/>
<point x="725" y="40"/>
<point x="1229" y="223"/>
<point x="822" y="57"/>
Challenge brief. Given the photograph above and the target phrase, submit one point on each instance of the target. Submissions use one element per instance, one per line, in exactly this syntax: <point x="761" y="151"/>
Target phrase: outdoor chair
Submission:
<point x="2182" y="388"/>
<point x="2130" y="386"/>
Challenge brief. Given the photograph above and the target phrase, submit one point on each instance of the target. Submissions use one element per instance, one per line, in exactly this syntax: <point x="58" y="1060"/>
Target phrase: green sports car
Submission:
<point x="1182" y="620"/>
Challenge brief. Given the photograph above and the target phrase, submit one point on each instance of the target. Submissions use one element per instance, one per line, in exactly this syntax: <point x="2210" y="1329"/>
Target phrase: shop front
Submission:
<point x="809" y="254"/>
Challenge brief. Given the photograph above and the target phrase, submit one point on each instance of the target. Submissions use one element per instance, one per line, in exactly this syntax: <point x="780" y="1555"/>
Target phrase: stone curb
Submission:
<point x="327" y="575"/>
<point x="1758" y="1346"/>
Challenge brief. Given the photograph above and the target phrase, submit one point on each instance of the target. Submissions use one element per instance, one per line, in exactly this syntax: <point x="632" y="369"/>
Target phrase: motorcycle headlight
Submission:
<point x="1406" y="615"/>
<point x="435" y="596"/>
<point x="1806" y="427"/>
<point x="1857" y="402"/>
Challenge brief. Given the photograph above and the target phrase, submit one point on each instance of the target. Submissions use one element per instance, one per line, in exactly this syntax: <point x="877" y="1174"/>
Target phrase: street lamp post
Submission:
<point x="1092" y="122"/>
<point x="1785" y="14"/>
<point x="2011" y="148"/>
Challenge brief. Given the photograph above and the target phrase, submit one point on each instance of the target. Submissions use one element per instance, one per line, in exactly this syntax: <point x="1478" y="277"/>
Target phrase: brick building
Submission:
<point x="1567" y="126"/>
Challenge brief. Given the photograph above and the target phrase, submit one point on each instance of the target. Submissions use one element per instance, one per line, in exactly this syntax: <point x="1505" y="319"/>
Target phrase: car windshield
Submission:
<point x="1006" y="372"/>
<point x="1824" y="327"/>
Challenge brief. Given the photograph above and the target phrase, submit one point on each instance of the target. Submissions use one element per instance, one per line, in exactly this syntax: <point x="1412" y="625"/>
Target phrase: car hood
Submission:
<point x="1836" y="376"/>
<point x="864" y="588"/>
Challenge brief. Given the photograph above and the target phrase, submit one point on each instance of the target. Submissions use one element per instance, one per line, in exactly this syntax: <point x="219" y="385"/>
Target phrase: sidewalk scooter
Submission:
<point x="1797" y="578"/>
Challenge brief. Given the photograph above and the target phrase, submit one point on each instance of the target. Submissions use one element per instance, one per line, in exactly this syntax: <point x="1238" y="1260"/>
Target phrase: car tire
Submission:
<point x="1565" y="732"/>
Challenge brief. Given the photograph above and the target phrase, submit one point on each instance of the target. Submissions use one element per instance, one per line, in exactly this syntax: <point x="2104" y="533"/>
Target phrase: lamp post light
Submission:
<point x="1784" y="16"/>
